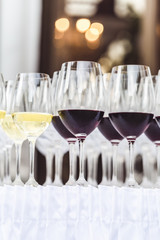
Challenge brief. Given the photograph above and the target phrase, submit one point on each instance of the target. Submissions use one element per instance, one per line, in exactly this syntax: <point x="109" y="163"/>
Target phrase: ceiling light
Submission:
<point x="62" y="24"/>
<point x="83" y="24"/>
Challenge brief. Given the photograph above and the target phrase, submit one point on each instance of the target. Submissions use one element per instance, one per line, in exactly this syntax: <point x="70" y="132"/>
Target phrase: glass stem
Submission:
<point x="109" y="167"/>
<point x="58" y="162"/>
<point x="114" y="158"/>
<point x="71" y="159"/>
<point x="90" y="166"/>
<point x="32" y="153"/>
<point x="104" y="164"/>
<point x="81" y="160"/>
<point x="158" y="162"/>
<point x="49" y="161"/>
<point x="131" y="160"/>
<point x="95" y="167"/>
<point x="18" y="147"/>
<point x="5" y="164"/>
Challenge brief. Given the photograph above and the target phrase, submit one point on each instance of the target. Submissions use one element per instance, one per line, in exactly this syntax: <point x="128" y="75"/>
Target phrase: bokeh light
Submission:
<point x="62" y="24"/>
<point x="98" y="26"/>
<point x="58" y="35"/>
<point x="92" y="34"/>
<point x="83" y="25"/>
<point x="94" y="44"/>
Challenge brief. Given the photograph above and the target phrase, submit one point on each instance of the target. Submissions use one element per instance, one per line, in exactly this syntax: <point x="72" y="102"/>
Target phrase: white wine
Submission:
<point x="33" y="124"/>
<point x="11" y="129"/>
<point x="2" y="115"/>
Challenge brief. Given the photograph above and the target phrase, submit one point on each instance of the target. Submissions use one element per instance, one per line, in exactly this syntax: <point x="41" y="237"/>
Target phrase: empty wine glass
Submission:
<point x="79" y="99"/>
<point x="31" y="110"/>
<point x="131" y="105"/>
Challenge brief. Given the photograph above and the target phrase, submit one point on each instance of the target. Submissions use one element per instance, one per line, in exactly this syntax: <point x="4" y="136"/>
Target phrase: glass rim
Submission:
<point x="44" y="75"/>
<point x="79" y="61"/>
<point x="127" y="65"/>
<point x="56" y="72"/>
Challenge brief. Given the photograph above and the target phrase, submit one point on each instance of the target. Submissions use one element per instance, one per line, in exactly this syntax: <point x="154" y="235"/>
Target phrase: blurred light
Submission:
<point x="123" y="7"/>
<point x="62" y="24"/>
<point x="58" y="35"/>
<point x="83" y="24"/>
<point x="92" y="34"/>
<point x="118" y="49"/>
<point x="106" y="64"/>
<point x="81" y="8"/>
<point x="93" y="45"/>
<point x="98" y="26"/>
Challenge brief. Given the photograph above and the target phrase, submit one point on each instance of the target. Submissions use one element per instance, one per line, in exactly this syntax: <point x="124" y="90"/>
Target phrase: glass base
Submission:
<point x="48" y="182"/>
<point x="71" y="182"/>
<point x="157" y="184"/>
<point x="57" y="182"/>
<point x="131" y="183"/>
<point x="82" y="182"/>
<point x="92" y="182"/>
<point x="114" y="182"/>
<point x="146" y="183"/>
<point x="32" y="182"/>
<point x="7" y="181"/>
<point x="18" y="182"/>
<point x="105" y="182"/>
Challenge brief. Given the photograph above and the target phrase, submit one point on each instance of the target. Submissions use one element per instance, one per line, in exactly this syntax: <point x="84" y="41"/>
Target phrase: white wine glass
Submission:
<point x="2" y="98"/>
<point x="12" y="130"/>
<point x="31" y="110"/>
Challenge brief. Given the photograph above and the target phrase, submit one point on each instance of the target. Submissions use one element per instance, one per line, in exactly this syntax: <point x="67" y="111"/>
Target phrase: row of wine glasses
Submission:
<point x="98" y="162"/>
<point x="78" y="99"/>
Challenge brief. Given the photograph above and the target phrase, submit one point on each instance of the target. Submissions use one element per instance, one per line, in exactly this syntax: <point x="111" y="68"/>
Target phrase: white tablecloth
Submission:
<point x="76" y="213"/>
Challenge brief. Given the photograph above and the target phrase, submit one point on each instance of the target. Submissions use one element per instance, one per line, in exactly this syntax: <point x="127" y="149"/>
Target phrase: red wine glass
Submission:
<point x="79" y="98"/>
<point x="131" y="105"/>
<point x="109" y="132"/>
<point x="153" y="131"/>
<point x="64" y="132"/>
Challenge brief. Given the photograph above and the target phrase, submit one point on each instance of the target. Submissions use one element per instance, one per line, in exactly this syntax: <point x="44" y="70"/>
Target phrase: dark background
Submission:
<point x="128" y="38"/>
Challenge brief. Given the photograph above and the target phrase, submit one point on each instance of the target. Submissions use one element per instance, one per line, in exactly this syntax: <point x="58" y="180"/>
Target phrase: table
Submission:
<point x="77" y="213"/>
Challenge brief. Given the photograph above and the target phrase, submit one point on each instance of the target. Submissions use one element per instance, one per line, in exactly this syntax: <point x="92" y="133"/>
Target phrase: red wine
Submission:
<point x="153" y="131"/>
<point x="81" y="121"/>
<point x="61" y="129"/>
<point x="130" y="123"/>
<point x="108" y="131"/>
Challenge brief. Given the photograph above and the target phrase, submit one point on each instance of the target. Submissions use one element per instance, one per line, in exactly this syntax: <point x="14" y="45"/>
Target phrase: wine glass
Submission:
<point x="2" y="99"/>
<point x="131" y="105"/>
<point x="153" y="131"/>
<point x="108" y="131"/>
<point x="31" y="110"/>
<point x="64" y="132"/>
<point x="79" y="99"/>
<point x="12" y="131"/>
<point x="49" y="145"/>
